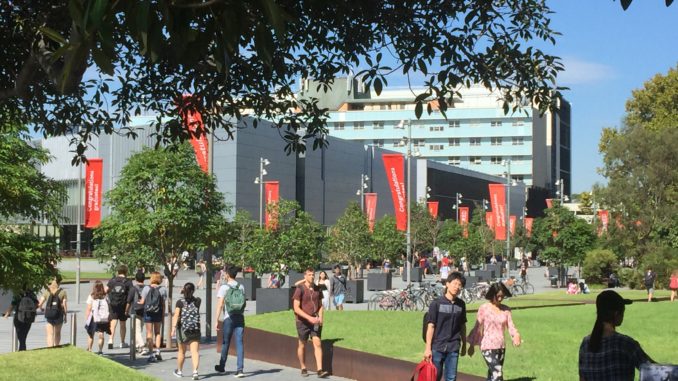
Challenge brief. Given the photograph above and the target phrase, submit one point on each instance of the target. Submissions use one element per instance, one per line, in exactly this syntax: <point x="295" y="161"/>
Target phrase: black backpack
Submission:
<point x="54" y="309"/>
<point x="117" y="294"/>
<point x="152" y="302"/>
<point x="27" y="309"/>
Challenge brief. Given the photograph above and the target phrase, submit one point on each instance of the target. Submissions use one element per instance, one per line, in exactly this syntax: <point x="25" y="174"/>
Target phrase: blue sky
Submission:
<point x="607" y="54"/>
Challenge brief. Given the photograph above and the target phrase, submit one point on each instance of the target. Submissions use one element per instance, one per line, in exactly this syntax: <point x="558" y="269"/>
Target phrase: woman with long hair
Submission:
<point x="153" y="299"/>
<point x="55" y="307"/>
<point x="324" y="285"/>
<point x="607" y="354"/>
<point x="493" y="319"/>
<point x="673" y="284"/>
<point x="95" y="301"/>
<point x="186" y="327"/>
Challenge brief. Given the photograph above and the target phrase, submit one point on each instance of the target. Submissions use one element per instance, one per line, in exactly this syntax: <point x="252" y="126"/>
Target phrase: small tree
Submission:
<point x="387" y="241"/>
<point x="599" y="264"/>
<point x="350" y="239"/>
<point x="425" y="228"/>
<point x="241" y="235"/>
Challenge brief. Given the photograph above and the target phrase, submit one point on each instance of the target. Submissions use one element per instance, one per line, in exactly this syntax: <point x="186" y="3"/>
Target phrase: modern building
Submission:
<point x="475" y="134"/>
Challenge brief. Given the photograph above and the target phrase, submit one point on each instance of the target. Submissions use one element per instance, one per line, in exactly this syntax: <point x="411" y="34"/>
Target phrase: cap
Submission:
<point x="609" y="300"/>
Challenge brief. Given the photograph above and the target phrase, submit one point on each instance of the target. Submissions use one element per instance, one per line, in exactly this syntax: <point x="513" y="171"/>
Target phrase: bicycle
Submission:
<point x="528" y="288"/>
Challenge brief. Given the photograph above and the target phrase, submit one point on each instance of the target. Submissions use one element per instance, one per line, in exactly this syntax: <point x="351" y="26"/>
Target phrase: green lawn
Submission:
<point x="551" y="336"/>
<point x="69" y="276"/>
<point x="560" y="294"/>
<point x="67" y="363"/>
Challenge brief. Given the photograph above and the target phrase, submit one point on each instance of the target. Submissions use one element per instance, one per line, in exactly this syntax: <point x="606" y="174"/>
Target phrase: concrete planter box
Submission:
<point x="293" y="277"/>
<point x="251" y="282"/>
<point x="416" y="274"/>
<point x="483" y="275"/>
<point x="379" y="281"/>
<point x="355" y="291"/>
<point x="274" y="299"/>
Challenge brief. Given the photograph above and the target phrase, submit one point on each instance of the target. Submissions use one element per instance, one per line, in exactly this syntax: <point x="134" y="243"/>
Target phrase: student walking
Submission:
<point x="605" y="354"/>
<point x="446" y="329"/>
<point x="673" y="284"/>
<point x="119" y="289"/>
<point x="338" y="288"/>
<point x="153" y="298"/>
<point x="231" y="302"/>
<point x="649" y="279"/>
<point x="24" y="305"/>
<point x="97" y="316"/>
<point x="493" y="319"/>
<point x="138" y="312"/>
<point x="186" y="327"/>
<point x="200" y="269"/>
<point x="324" y="286"/>
<point x="308" y="313"/>
<point x="53" y="302"/>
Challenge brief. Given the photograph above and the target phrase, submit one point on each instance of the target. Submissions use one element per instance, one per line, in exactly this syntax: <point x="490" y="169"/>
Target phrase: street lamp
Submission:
<point x="560" y="192"/>
<point x="408" y="234"/>
<point x="507" y="163"/>
<point x="361" y="191"/>
<point x="457" y="201"/>
<point x="260" y="181"/>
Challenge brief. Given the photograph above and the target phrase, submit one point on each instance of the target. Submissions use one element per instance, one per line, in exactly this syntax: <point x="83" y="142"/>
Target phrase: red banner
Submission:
<point x="93" y="192"/>
<point x="489" y="219"/>
<point x="512" y="225"/>
<point x="394" y="165"/>
<point x="371" y="208"/>
<point x="433" y="208"/>
<point x="549" y="203"/>
<point x="498" y="202"/>
<point x="193" y="121"/>
<point x="604" y="216"/>
<point x="272" y="195"/>
<point x="528" y="225"/>
<point x="463" y="219"/>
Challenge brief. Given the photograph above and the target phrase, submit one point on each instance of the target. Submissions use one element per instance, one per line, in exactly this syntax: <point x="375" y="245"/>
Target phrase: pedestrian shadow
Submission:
<point x="328" y="353"/>
<point x="523" y="379"/>
<point x="245" y="375"/>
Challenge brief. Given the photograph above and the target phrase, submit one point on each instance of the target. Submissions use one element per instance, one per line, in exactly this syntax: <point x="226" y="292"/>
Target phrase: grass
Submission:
<point x="69" y="276"/>
<point x="551" y="336"/>
<point x="67" y="363"/>
<point x="561" y="295"/>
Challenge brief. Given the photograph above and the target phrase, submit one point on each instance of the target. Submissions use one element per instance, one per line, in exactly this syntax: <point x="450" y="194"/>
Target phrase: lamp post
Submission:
<point x="260" y="180"/>
<point x="408" y="233"/>
<point x="508" y="214"/>
<point x="561" y="186"/>
<point x="361" y="191"/>
<point x="457" y="201"/>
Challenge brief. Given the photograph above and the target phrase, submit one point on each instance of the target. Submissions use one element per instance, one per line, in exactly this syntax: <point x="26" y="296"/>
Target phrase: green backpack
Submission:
<point x="235" y="300"/>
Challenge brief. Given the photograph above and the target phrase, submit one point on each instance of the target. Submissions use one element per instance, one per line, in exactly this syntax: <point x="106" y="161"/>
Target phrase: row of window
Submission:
<point x="379" y="125"/>
<point x="452" y="142"/>
<point x="478" y="160"/>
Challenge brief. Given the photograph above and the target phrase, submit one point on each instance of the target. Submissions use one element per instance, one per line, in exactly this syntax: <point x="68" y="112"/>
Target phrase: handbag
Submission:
<point x="425" y="371"/>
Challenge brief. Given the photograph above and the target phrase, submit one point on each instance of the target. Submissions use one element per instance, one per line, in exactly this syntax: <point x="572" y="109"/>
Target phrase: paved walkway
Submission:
<point x="163" y="370"/>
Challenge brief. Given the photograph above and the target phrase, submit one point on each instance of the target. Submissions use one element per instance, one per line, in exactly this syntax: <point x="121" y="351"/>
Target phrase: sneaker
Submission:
<point x="151" y="358"/>
<point x="219" y="369"/>
<point x="239" y="374"/>
<point x="110" y="345"/>
<point x="195" y="375"/>
<point x="124" y="345"/>
<point x="100" y="353"/>
<point x="177" y="373"/>
<point x="323" y="373"/>
<point x="144" y="352"/>
<point x="304" y="373"/>
<point x="157" y="356"/>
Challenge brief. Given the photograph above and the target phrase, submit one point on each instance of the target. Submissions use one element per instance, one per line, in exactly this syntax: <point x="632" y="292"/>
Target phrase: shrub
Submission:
<point x="633" y="278"/>
<point x="599" y="264"/>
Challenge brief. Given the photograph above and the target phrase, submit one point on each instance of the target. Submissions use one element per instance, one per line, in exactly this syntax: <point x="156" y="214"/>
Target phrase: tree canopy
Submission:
<point x="349" y="240"/>
<point x="97" y="63"/>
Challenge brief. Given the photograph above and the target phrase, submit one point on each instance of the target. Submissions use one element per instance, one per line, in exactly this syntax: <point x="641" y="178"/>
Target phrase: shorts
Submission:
<point x="306" y="330"/>
<point x="187" y="337"/>
<point x="93" y="327"/>
<point x="117" y="313"/>
<point x="57" y="321"/>
<point x="339" y="299"/>
<point x="153" y="318"/>
<point x="650" y="290"/>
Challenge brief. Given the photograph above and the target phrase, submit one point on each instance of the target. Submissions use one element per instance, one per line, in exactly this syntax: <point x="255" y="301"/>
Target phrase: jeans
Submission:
<point x="233" y="324"/>
<point x="21" y="333"/>
<point x="447" y="360"/>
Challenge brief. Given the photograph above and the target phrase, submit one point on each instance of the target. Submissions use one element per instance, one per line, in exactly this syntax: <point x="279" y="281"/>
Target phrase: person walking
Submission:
<point x="607" y="355"/>
<point x="488" y="333"/>
<point x="324" y="286"/>
<point x="97" y="317"/>
<point x="446" y="329"/>
<point x="24" y="305"/>
<point x="119" y="289"/>
<point x="138" y="312"/>
<point x="54" y="302"/>
<point x="153" y="299"/>
<point x="338" y="288"/>
<point x="231" y="302"/>
<point x="649" y="279"/>
<point x="673" y="284"/>
<point x="186" y="328"/>
<point x="200" y="269"/>
<point x="308" y="315"/>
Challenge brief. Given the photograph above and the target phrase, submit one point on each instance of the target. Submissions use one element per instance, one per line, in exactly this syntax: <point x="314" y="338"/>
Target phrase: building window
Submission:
<point x="453" y="160"/>
<point x="359" y="125"/>
<point x="496" y="159"/>
<point x="436" y="147"/>
<point x="454" y="142"/>
<point x="475" y="160"/>
<point x="436" y="128"/>
<point x="378" y="125"/>
<point x="474" y="141"/>
<point x="418" y="142"/>
<point x="496" y="141"/>
<point x="455" y="124"/>
<point x="399" y="143"/>
<point x="518" y="141"/>
<point x="378" y="142"/>
<point x="339" y="126"/>
<point x="518" y="177"/>
<point x="495" y="123"/>
<point x="474" y="124"/>
<point x="517" y="123"/>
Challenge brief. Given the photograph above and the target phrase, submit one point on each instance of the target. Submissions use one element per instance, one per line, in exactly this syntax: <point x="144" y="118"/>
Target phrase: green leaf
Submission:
<point x="418" y="110"/>
<point x="53" y="35"/>
<point x="377" y="85"/>
<point x="625" y="4"/>
<point x="103" y="61"/>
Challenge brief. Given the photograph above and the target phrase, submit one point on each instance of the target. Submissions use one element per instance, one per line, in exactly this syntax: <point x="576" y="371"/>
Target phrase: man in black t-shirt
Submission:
<point x="118" y="290"/>
<point x="446" y="332"/>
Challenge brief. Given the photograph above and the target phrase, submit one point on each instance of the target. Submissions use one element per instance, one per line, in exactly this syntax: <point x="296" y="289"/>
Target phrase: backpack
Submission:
<point x="118" y="293"/>
<point x="190" y="317"/>
<point x="53" y="309"/>
<point x="235" y="300"/>
<point x="425" y="371"/>
<point x="26" y="310"/>
<point x="138" y="308"/>
<point x="649" y="280"/>
<point x="152" y="302"/>
<point x="100" y="310"/>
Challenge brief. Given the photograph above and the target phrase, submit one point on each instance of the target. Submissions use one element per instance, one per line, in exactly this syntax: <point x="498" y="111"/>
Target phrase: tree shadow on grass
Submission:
<point x="523" y="379"/>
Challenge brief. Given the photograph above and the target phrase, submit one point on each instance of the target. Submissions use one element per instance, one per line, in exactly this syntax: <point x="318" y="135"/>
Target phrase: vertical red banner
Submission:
<point x="604" y="216"/>
<point x="193" y="122"/>
<point x="93" y="192"/>
<point x="498" y="202"/>
<point x="394" y="165"/>
<point x="371" y="208"/>
<point x="512" y="225"/>
<point x="489" y="220"/>
<point x="528" y="225"/>
<point x="272" y="196"/>
<point x="549" y="203"/>
<point x="463" y="219"/>
<point x="433" y="208"/>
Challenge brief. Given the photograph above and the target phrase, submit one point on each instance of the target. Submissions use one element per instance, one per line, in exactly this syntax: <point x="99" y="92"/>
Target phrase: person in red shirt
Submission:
<point x="308" y="314"/>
